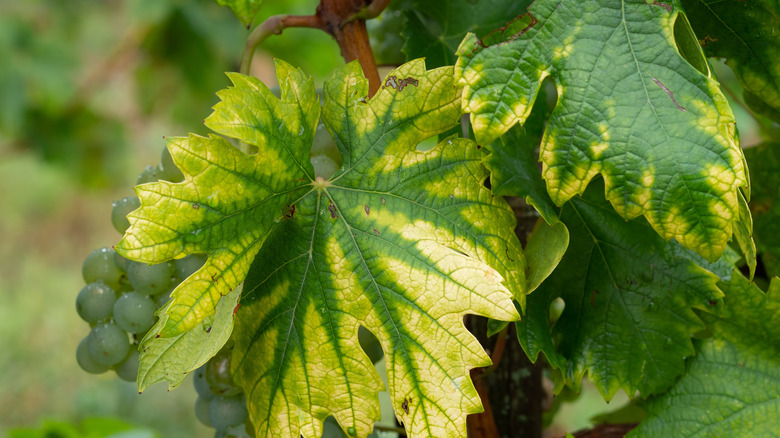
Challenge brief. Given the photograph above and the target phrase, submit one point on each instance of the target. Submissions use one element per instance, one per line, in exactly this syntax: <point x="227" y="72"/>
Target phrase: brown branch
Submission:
<point x="274" y="25"/>
<point x="498" y="349"/>
<point x="351" y="36"/>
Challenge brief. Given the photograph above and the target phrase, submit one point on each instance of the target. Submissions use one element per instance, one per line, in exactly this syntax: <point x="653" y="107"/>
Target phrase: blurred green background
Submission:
<point x="87" y="91"/>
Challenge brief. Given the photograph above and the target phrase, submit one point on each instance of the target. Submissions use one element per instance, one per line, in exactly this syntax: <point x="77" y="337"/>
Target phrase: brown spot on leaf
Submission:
<point x="593" y="297"/>
<point x="671" y="95"/>
<point x="367" y="209"/>
<point x="666" y="6"/>
<point x="400" y="84"/>
<point x="405" y="404"/>
<point x="289" y="212"/>
<point x="196" y="206"/>
<point x="332" y="209"/>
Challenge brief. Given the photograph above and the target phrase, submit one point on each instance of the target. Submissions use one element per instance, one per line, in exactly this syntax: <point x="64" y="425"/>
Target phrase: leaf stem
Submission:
<point x="274" y="25"/>
<point x="498" y="350"/>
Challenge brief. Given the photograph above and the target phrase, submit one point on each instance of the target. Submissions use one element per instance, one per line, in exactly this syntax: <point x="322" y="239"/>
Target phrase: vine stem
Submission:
<point x="274" y="25"/>
<point x="351" y="34"/>
<point x="344" y="20"/>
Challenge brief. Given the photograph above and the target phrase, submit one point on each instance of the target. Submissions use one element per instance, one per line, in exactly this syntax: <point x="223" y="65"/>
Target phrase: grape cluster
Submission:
<point x="121" y="296"/>
<point x="325" y="155"/>
<point x="221" y="403"/>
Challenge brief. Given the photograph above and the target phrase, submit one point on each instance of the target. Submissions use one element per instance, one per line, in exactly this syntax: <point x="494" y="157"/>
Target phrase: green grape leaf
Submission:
<point x="629" y="298"/>
<point x="745" y="33"/>
<point x="245" y="10"/>
<point x="513" y="165"/>
<point x="228" y="201"/>
<point x="731" y="387"/>
<point x="171" y="359"/>
<point x="434" y="28"/>
<point x="764" y="164"/>
<point x="401" y="241"/>
<point x="630" y="108"/>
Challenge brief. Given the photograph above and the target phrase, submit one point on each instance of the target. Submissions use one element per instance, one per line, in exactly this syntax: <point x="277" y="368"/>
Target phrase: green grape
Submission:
<point x="227" y="411"/>
<point x="150" y="279"/>
<point x="167" y="169"/>
<point x="127" y="370"/>
<point x="120" y="210"/>
<point x="202" y="411"/>
<point x="324" y="166"/>
<point x="201" y="385"/>
<point x="162" y="299"/>
<point x="187" y="266"/>
<point x="95" y="302"/>
<point x="370" y="344"/>
<point x="134" y="312"/>
<point x="385" y="37"/>
<point x="107" y="344"/>
<point x="150" y="174"/>
<point x="218" y="374"/>
<point x="85" y="360"/>
<point x="323" y="144"/>
<point x="100" y="264"/>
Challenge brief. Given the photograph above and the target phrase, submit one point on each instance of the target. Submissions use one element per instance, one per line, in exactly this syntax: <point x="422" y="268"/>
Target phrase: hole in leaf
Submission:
<point x="688" y="45"/>
<point x="370" y="344"/>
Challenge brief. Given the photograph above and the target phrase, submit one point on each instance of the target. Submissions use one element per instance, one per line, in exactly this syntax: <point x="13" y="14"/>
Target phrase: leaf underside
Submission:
<point x="628" y="303"/>
<point x="245" y="10"/>
<point x="171" y="359"/>
<point x="630" y="108"/>
<point x="731" y="387"/>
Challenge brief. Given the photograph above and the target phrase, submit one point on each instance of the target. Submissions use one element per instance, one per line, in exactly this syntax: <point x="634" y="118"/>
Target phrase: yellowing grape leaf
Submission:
<point x="731" y="387"/>
<point x="171" y="359"/>
<point x="401" y="241"/>
<point x="630" y="108"/>
<point x="228" y="201"/>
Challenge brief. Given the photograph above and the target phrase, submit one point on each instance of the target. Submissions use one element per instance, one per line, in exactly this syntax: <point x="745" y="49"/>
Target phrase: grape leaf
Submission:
<point x="228" y="201"/>
<point x="745" y="33"/>
<point x="513" y="165"/>
<point x="630" y="108"/>
<point x="731" y="387"/>
<point x="245" y="10"/>
<point x="172" y="358"/>
<point x="764" y="163"/>
<point x="399" y="241"/>
<point x="628" y="298"/>
<point x="434" y="28"/>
